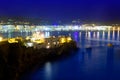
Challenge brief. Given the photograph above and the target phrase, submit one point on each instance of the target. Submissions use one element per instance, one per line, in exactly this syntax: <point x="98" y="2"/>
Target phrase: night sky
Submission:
<point x="64" y="10"/>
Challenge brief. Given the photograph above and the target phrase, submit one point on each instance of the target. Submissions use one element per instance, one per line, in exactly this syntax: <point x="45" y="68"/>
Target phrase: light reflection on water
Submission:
<point x="103" y="35"/>
<point x="118" y="35"/>
<point x="99" y="63"/>
<point x="113" y="36"/>
<point x="98" y="35"/>
<point x="108" y="35"/>
<point x="48" y="71"/>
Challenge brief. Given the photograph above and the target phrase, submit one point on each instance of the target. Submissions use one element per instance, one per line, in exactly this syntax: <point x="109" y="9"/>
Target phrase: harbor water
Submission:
<point x="94" y="60"/>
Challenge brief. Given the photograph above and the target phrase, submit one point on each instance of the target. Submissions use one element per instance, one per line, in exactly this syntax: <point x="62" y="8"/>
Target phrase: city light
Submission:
<point x="12" y="40"/>
<point x="29" y="44"/>
<point x="37" y="37"/>
<point x="38" y="41"/>
<point x="69" y="39"/>
<point x="1" y="39"/>
<point x="48" y="46"/>
<point x="37" y="28"/>
<point x="62" y="40"/>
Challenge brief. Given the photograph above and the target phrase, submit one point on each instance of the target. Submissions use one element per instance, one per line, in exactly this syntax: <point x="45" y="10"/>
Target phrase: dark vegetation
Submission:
<point x="16" y="59"/>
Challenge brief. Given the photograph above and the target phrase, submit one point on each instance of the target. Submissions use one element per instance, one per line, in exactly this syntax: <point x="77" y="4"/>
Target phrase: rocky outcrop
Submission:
<point x="15" y="58"/>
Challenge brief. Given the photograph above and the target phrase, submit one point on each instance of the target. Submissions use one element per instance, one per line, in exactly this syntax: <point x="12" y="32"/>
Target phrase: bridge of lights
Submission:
<point x="28" y="28"/>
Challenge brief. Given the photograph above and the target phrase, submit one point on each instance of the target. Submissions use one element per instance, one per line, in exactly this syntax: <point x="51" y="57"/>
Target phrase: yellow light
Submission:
<point x="17" y="28"/>
<point x="109" y="45"/>
<point x="38" y="35"/>
<point x="39" y="41"/>
<point x="33" y="39"/>
<point x="1" y="39"/>
<point x="62" y="40"/>
<point x="69" y="39"/>
<point x="13" y="40"/>
<point x="27" y="38"/>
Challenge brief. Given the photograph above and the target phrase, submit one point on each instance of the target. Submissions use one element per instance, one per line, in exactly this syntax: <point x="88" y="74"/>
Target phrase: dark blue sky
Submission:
<point x="65" y="10"/>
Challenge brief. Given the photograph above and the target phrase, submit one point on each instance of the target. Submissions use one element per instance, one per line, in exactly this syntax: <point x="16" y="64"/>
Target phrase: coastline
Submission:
<point x="16" y="59"/>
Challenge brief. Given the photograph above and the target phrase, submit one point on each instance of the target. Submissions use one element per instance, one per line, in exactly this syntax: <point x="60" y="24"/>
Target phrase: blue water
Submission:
<point x="99" y="63"/>
<point x="83" y="66"/>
